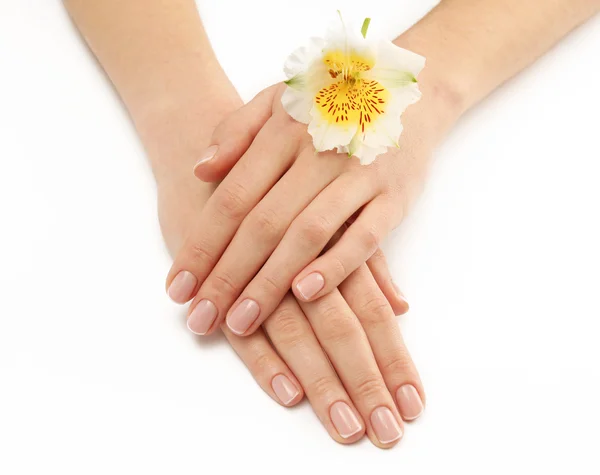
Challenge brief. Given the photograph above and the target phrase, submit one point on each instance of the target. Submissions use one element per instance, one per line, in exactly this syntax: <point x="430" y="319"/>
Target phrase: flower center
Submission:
<point x="351" y="99"/>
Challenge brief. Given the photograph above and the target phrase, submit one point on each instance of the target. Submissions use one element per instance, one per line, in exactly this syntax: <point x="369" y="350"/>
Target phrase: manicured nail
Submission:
<point x="208" y="154"/>
<point x="310" y="285"/>
<point x="385" y="425"/>
<point x="284" y="389"/>
<point x="202" y="317"/>
<point x="182" y="287"/>
<point x="344" y="420"/>
<point x="243" y="316"/>
<point x="409" y="402"/>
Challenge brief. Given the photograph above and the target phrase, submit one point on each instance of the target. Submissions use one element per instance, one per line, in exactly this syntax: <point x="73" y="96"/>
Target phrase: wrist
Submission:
<point x="176" y="125"/>
<point x="175" y="128"/>
<point x="442" y="81"/>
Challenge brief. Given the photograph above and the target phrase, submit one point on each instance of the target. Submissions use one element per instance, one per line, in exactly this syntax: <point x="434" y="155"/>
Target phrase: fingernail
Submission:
<point x="284" y="389"/>
<point x="401" y="297"/>
<point x="385" y="425"/>
<point x="243" y="316"/>
<point x="208" y="154"/>
<point x="344" y="420"/>
<point x="180" y="290"/>
<point x="202" y="317"/>
<point x="409" y="402"/>
<point x="310" y="285"/>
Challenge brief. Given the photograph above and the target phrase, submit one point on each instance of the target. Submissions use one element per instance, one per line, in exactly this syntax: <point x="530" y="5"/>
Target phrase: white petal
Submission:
<point x="302" y="58"/>
<point x="326" y="135"/>
<point x="392" y="58"/>
<point x="297" y="104"/>
<point x="386" y="128"/>
<point x="365" y="153"/>
<point x="345" y="37"/>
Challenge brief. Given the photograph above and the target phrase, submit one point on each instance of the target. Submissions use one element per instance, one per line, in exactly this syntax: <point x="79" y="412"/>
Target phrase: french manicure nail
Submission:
<point x="385" y="425"/>
<point x="180" y="290"/>
<point x="409" y="402"/>
<point x="243" y="316"/>
<point x="310" y="285"/>
<point x="208" y="154"/>
<point x="202" y="317"/>
<point x="284" y="389"/>
<point x="344" y="420"/>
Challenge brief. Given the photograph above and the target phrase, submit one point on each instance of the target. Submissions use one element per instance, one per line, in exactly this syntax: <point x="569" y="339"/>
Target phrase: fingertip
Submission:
<point x="404" y="307"/>
<point x="396" y="298"/>
<point x="399" y="305"/>
<point x="181" y="288"/>
<point x="212" y="166"/>
<point x="210" y="172"/>
<point x="288" y="393"/>
<point x="308" y="287"/>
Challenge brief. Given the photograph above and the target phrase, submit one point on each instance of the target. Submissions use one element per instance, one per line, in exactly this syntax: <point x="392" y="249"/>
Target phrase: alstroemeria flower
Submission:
<point x="351" y="91"/>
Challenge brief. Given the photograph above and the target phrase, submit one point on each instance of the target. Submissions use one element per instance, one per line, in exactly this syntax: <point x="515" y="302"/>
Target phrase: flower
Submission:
<point x="351" y="91"/>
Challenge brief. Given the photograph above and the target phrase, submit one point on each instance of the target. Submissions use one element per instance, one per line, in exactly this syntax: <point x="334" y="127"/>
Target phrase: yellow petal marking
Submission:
<point x="351" y="100"/>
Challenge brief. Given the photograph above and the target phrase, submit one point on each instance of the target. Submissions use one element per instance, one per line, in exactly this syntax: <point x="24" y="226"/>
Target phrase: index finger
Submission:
<point x="250" y="179"/>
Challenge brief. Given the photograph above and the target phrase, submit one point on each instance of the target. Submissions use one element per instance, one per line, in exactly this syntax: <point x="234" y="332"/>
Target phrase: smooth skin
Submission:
<point x="175" y="105"/>
<point x="264" y="229"/>
<point x="159" y="59"/>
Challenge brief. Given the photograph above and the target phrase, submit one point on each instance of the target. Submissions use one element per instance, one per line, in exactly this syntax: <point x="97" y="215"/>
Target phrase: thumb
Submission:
<point x="233" y="136"/>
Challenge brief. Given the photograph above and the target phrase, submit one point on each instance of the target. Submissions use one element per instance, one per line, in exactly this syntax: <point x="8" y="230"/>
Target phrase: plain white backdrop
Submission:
<point x="500" y="261"/>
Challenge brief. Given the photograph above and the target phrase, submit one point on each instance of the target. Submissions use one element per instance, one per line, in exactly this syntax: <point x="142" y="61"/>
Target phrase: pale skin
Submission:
<point x="185" y="109"/>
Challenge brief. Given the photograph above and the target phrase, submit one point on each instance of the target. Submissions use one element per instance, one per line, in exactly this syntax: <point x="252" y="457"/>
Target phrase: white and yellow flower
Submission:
<point x="351" y="91"/>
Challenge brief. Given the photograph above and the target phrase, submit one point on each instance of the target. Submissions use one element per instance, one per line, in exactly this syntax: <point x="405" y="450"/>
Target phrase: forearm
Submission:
<point x="159" y="58"/>
<point x="473" y="46"/>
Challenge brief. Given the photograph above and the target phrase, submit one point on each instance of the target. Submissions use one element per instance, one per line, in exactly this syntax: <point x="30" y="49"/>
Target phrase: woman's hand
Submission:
<point x="263" y="229"/>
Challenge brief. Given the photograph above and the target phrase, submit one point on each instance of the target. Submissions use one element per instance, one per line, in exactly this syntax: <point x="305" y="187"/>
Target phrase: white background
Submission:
<point x="500" y="261"/>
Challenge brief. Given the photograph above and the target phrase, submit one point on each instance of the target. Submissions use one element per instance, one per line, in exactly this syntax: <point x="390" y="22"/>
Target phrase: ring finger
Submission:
<point x="292" y="336"/>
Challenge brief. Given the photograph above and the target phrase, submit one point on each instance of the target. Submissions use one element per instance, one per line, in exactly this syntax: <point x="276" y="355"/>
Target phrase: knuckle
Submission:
<point x="367" y="239"/>
<point x="323" y="387"/>
<point x="375" y="310"/>
<point x="286" y="327"/>
<point x="338" y="328"/>
<point x="378" y="255"/>
<point x="231" y="201"/>
<point x="265" y="223"/>
<point x="338" y="267"/>
<point x="261" y="362"/>
<point x="272" y="285"/>
<point x="199" y="253"/>
<point x="369" y="386"/>
<point x="399" y="363"/>
<point x="224" y="283"/>
<point x="315" y="230"/>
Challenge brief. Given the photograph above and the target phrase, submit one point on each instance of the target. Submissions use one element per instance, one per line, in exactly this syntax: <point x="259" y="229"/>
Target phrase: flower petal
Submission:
<point x="328" y="135"/>
<point x="297" y="104"/>
<point x="386" y="128"/>
<point x="301" y="59"/>
<point x="394" y="62"/>
<point x="364" y="153"/>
